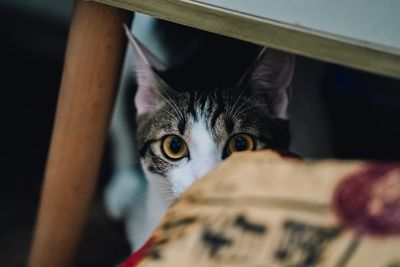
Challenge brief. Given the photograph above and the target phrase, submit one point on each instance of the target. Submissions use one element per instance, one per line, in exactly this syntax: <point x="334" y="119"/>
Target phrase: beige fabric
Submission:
<point x="256" y="209"/>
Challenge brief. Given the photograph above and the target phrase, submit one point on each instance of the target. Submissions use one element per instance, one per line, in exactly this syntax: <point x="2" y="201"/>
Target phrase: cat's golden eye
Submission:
<point x="240" y="142"/>
<point x="174" y="147"/>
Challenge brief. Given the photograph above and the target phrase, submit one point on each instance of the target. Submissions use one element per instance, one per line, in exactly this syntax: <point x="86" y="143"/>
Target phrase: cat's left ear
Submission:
<point x="269" y="79"/>
<point x="151" y="88"/>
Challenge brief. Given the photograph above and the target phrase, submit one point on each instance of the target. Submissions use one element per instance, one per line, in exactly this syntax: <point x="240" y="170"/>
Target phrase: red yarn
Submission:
<point x="138" y="255"/>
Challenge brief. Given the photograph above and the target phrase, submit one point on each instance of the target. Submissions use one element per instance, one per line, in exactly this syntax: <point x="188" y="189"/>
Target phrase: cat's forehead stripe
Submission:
<point x="219" y="109"/>
<point x="192" y="106"/>
<point x="182" y="125"/>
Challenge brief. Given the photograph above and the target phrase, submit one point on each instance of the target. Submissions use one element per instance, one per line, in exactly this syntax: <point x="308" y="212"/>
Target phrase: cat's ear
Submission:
<point x="269" y="79"/>
<point x="151" y="87"/>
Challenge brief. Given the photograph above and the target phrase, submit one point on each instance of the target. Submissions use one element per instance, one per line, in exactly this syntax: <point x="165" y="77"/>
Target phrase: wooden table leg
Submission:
<point x="91" y="73"/>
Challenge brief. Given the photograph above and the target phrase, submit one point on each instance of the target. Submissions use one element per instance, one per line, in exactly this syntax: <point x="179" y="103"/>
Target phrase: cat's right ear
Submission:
<point x="151" y="87"/>
<point x="269" y="79"/>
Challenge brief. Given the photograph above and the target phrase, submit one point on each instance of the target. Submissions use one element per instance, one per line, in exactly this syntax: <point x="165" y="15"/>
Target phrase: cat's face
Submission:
<point x="181" y="136"/>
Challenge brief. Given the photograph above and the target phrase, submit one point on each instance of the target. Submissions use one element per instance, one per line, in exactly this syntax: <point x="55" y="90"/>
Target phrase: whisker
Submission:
<point x="242" y="111"/>
<point x="172" y="115"/>
<point x="164" y="181"/>
<point x="169" y="103"/>
<point x="244" y="102"/>
<point x="174" y="106"/>
<point x="165" y="189"/>
<point x="237" y="100"/>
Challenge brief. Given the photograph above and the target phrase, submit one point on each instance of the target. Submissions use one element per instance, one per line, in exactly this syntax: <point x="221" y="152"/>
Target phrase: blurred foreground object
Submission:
<point x="256" y="209"/>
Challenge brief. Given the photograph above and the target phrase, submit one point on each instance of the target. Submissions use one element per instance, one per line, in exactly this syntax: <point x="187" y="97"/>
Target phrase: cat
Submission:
<point x="180" y="136"/>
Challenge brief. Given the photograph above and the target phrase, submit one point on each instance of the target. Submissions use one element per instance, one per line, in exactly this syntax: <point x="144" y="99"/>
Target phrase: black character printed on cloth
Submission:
<point x="155" y="251"/>
<point x="250" y="227"/>
<point x="179" y="222"/>
<point x="215" y="241"/>
<point x="303" y="244"/>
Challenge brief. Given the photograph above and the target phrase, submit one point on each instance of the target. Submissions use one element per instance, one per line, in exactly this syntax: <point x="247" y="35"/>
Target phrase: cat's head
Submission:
<point x="181" y="136"/>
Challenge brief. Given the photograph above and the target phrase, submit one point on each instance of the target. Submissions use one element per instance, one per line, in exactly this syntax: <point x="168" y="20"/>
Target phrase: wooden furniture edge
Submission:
<point x="335" y="49"/>
<point x="93" y="59"/>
